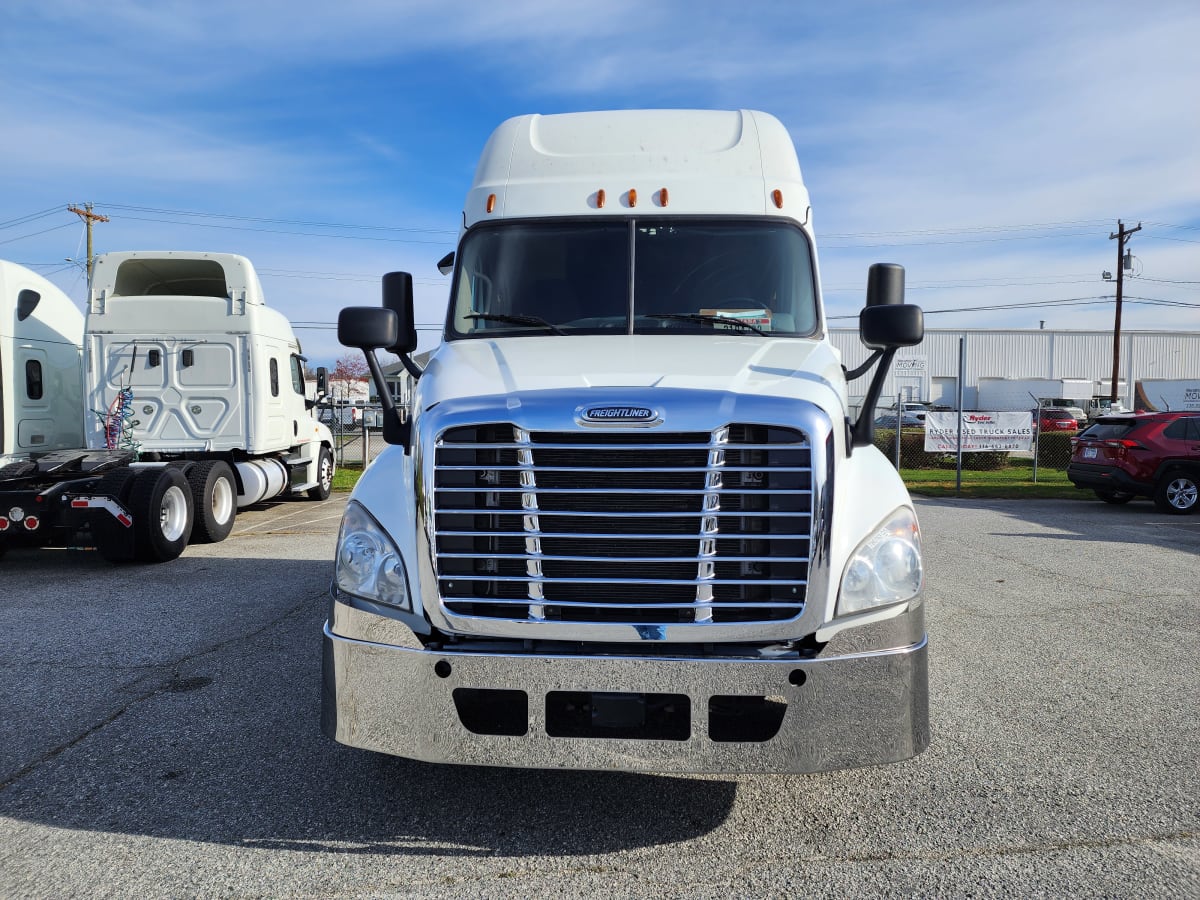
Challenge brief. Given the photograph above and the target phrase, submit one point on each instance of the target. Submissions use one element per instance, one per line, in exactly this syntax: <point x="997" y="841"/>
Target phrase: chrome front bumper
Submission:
<point x="860" y="707"/>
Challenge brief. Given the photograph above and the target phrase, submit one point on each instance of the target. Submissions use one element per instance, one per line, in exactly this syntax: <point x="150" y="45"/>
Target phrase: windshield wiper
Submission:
<point x="710" y="318"/>
<point x="517" y="320"/>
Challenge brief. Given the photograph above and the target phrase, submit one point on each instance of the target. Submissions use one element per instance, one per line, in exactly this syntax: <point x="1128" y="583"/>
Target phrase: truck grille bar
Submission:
<point x="620" y="527"/>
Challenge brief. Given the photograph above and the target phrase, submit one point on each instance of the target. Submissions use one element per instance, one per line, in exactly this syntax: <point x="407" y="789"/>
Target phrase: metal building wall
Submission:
<point x="1030" y="353"/>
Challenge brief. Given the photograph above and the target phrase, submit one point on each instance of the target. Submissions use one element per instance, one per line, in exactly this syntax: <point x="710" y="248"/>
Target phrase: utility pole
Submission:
<point x="89" y="217"/>
<point x="1120" y="237"/>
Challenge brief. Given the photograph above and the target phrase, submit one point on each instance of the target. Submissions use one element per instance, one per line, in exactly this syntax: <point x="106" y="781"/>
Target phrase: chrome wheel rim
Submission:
<point x="172" y="514"/>
<point x="222" y="500"/>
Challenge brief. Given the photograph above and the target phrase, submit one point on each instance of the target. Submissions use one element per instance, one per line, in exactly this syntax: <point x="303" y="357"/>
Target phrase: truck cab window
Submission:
<point x="575" y="277"/>
<point x="297" y="375"/>
<point x="274" y="377"/>
<point x="34" y="389"/>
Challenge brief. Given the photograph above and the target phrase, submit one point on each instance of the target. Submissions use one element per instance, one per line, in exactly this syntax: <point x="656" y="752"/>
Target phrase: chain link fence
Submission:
<point x="1050" y="451"/>
<point x="358" y="439"/>
<point x="357" y="433"/>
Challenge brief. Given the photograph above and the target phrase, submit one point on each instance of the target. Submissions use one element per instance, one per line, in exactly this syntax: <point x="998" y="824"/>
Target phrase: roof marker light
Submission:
<point x="600" y="199"/>
<point x="777" y="197"/>
<point x="662" y="197"/>
<point x="491" y="203"/>
<point x="632" y="197"/>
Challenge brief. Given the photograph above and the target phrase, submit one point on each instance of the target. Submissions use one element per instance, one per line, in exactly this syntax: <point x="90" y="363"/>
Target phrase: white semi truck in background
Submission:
<point x="189" y="404"/>
<point x="41" y="388"/>
<point x="629" y="522"/>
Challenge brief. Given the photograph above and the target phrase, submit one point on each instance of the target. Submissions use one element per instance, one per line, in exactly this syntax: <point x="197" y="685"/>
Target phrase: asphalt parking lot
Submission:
<point x="159" y="736"/>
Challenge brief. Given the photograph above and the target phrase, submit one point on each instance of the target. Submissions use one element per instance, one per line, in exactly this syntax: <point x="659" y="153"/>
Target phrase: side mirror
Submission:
<point x="368" y="327"/>
<point x="322" y="382"/>
<point x="446" y="263"/>
<point x="887" y="327"/>
<point x="885" y="324"/>
<point x="398" y="298"/>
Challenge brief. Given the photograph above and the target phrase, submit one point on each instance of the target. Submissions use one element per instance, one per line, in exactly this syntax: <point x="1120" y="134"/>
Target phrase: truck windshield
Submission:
<point x="627" y="276"/>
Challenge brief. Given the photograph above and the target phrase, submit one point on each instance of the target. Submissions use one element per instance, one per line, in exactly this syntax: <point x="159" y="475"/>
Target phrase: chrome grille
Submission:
<point x="632" y="527"/>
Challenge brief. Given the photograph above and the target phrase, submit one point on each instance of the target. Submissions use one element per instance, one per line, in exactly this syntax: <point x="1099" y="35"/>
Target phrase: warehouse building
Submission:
<point x="929" y="371"/>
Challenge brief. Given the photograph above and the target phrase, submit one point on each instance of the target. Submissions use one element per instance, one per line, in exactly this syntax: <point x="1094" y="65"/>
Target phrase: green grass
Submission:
<point x="346" y="477"/>
<point x="1014" y="482"/>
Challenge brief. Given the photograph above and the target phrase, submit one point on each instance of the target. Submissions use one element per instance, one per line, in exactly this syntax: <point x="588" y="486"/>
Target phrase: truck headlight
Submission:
<point x="885" y="568"/>
<point x="368" y="563"/>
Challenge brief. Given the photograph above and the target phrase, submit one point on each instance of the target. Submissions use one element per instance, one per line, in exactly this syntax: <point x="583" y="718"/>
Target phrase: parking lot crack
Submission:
<point x="173" y="681"/>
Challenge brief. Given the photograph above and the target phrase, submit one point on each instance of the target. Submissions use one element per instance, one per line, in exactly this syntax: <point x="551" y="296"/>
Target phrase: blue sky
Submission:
<point x="988" y="148"/>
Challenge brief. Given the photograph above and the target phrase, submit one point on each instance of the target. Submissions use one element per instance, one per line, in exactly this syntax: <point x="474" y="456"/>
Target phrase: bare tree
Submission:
<point x="350" y="367"/>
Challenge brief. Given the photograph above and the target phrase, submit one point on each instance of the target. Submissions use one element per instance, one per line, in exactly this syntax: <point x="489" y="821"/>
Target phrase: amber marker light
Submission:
<point x="662" y="197"/>
<point x="777" y="196"/>
<point x="491" y="204"/>
<point x="632" y="197"/>
<point x="600" y="199"/>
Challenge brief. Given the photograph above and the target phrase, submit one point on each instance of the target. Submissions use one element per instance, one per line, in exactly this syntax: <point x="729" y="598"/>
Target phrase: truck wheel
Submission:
<point x="1177" y="492"/>
<point x="161" y="503"/>
<point x="324" y="476"/>
<point x="114" y="541"/>
<point x="1114" y="497"/>
<point x="214" y="501"/>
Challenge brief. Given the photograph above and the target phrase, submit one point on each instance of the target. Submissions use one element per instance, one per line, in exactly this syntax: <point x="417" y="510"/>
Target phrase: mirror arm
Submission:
<point x="413" y="369"/>
<point x="395" y="431"/>
<point x="864" y="428"/>
<point x="853" y="374"/>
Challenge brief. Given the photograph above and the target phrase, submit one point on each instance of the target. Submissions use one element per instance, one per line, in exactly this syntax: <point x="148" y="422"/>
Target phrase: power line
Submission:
<point x="1163" y="237"/>
<point x="335" y="276"/>
<point x="36" y="233"/>
<point x="983" y="240"/>
<point x="32" y="217"/>
<point x="350" y="237"/>
<point x="977" y="229"/>
<point x="272" y="221"/>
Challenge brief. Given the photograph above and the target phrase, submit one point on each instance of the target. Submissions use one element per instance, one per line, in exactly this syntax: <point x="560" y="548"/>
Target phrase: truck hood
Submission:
<point x="747" y="364"/>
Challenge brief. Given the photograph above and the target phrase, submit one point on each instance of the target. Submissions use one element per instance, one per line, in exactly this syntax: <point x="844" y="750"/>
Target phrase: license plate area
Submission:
<point x="1090" y="452"/>
<point x="605" y="714"/>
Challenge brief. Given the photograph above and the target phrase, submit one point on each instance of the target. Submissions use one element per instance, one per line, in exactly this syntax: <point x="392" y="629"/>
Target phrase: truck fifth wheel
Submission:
<point x="628" y="521"/>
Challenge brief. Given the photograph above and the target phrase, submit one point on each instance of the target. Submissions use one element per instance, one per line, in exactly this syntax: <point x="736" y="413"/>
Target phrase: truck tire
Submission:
<point x="114" y="541"/>
<point x="161" y="504"/>
<point x="214" y="501"/>
<point x="324" y="476"/>
<point x="1177" y="492"/>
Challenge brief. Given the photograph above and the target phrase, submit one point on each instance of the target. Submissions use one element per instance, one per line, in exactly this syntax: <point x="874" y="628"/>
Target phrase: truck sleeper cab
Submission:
<point x="628" y="523"/>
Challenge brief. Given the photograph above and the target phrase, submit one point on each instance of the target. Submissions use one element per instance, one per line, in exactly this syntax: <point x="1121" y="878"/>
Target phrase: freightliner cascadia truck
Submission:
<point x="628" y="521"/>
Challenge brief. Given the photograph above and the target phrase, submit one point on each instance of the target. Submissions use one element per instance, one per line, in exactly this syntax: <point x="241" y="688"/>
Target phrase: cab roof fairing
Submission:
<point x="710" y="163"/>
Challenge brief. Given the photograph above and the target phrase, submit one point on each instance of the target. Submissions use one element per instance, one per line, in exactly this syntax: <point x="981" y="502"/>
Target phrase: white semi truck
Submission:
<point x="628" y="522"/>
<point x="190" y="403"/>
<point x="41" y="385"/>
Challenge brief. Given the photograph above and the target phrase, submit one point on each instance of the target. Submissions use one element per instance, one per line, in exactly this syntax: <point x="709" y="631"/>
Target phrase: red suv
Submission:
<point x="1053" y="419"/>
<point x="1141" y="454"/>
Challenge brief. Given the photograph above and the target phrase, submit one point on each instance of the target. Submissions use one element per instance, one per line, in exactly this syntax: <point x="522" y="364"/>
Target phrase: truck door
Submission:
<point x="36" y="429"/>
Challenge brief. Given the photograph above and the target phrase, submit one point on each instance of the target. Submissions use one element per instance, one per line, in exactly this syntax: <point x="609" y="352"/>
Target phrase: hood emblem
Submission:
<point x="618" y="414"/>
